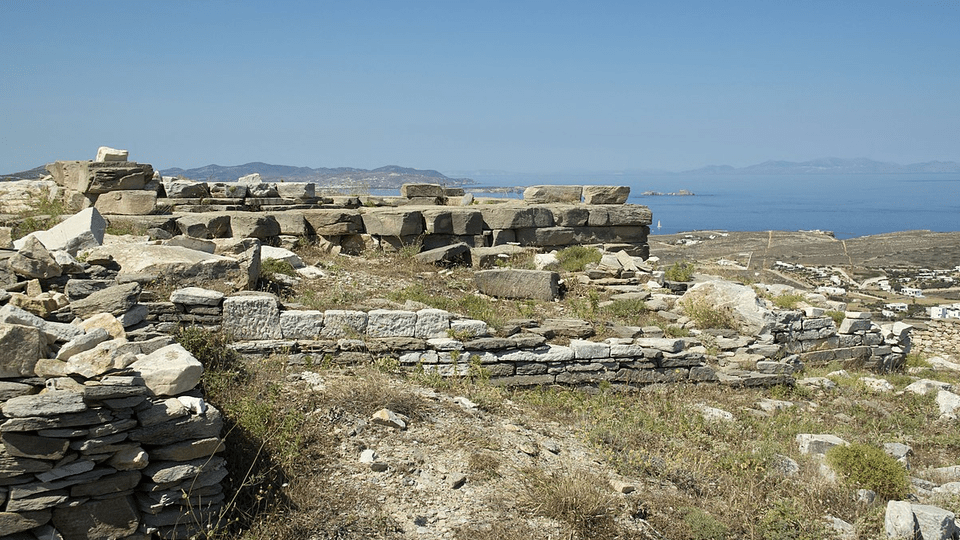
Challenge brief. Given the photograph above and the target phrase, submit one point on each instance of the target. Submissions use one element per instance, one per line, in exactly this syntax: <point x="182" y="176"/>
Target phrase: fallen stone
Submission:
<point x="949" y="403"/>
<point x="386" y="417"/>
<point x="552" y="194"/>
<point x="818" y="444"/>
<point x="519" y="284"/>
<point x="452" y="255"/>
<point x="106" y="154"/>
<point x="84" y="230"/>
<point x="116" y="300"/>
<point x="34" y="261"/>
<point x="22" y="346"/>
<point x="189" y="242"/>
<point x="127" y="203"/>
<point x="169" y="371"/>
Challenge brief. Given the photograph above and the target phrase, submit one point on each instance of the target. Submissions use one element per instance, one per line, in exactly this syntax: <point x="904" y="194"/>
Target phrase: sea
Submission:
<point x="848" y="205"/>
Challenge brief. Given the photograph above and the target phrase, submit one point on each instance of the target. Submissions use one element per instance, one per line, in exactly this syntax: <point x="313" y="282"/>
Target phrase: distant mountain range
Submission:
<point x="387" y="177"/>
<point x="831" y="166"/>
<point x="392" y="176"/>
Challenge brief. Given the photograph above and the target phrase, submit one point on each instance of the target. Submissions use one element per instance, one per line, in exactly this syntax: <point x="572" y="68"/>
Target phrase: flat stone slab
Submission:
<point x="520" y="284"/>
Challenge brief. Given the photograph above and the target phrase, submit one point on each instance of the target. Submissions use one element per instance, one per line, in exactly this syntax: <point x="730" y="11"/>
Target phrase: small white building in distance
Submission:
<point x="945" y="312"/>
<point x="896" y="306"/>
<point x="910" y="291"/>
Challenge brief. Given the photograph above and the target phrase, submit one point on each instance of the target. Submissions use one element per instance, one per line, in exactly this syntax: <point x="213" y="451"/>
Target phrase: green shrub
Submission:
<point x="837" y="316"/>
<point x="870" y="467"/>
<point x="576" y="258"/>
<point x="270" y="267"/>
<point x="626" y="311"/>
<point x="679" y="271"/>
<point x="706" y="315"/>
<point x="787" y="301"/>
<point x="703" y="524"/>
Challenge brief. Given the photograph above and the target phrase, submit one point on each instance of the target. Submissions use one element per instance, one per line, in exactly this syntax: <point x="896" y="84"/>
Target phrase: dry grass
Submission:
<point x="579" y="499"/>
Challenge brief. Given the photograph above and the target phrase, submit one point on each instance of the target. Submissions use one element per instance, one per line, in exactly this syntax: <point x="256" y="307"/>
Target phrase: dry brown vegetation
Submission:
<point x="289" y="446"/>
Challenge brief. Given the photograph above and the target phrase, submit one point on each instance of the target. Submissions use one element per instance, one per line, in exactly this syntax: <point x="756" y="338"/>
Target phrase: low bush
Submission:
<point x="576" y="258"/>
<point x="706" y="315"/>
<point x="679" y="271"/>
<point x="270" y="267"/>
<point x="581" y="500"/>
<point x="787" y="300"/>
<point x="871" y="468"/>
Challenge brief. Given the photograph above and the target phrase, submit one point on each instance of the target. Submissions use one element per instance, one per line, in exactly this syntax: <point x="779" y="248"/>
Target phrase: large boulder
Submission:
<point x="181" y="265"/>
<point x="605" y="194"/>
<point x="521" y="284"/>
<point x="33" y="261"/>
<point x="82" y="231"/>
<point x="739" y="301"/>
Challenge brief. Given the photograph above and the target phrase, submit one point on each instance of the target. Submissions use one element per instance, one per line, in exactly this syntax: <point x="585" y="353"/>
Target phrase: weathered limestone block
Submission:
<point x="196" y="296"/>
<point x="83" y="230"/>
<point x="115" y="300"/>
<point x="454" y="254"/>
<point x="252" y="317"/>
<point x="253" y="225"/>
<point x="190" y="242"/>
<point x="818" y="444"/>
<point x="432" y="323"/>
<point x="514" y="283"/>
<point x="33" y="261"/>
<point x="127" y="202"/>
<point x="185" y="189"/>
<point x="614" y="216"/>
<point x="570" y="215"/>
<point x="21" y="346"/>
<point x="397" y="223"/>
<point x="105" y="356"/>
<point x="391" y="323"/>
<point x="53" y="331"/>
<point x="91" y="177"/>
<point x="105" y="153"/>
<point x="227" y="190"/>
<point x="204" y="225"/>
<point x="605" y="194"/>
<point x="291" y="223"/>
<point x="548" y="236"/>
<point x="169" y="371"/>
<point x="552" y="194"/>
<point x="301" y="324"/>
<point x="850" y="326"/>
<point x="339" y="323"/>
<point x="587" y="350"/>
<point x="469" y="328"/>
<point x="334" y="222"/>
<point x="297" y="190"/>
<point x="410" y="191"/>
<point x="516" y="217"/>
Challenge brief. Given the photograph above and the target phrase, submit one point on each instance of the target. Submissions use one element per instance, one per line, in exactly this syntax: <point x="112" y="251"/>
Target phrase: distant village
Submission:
<point x="898" y="293"/>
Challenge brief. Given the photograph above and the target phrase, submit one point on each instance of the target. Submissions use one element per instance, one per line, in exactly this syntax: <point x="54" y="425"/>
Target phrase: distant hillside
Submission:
<point x="32" y="174"/>
<point x="387" y="177"/>
<point x="832" y="166"/>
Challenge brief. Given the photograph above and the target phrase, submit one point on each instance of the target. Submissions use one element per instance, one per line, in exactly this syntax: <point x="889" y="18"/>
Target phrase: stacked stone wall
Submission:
<point x="937" y="337"/>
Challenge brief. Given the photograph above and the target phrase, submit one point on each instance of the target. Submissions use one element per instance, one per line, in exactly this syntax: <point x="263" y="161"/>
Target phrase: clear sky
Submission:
<point x="458" y="86"/>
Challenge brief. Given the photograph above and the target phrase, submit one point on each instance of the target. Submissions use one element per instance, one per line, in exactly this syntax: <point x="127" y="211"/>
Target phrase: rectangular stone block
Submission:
<point x="391" y="323"/>
<point x="583" y="349"/>
<point x="552" y="194"/>
<point x="389" y="222"/>
<point x="605" y="194"/>
<point x="615" y="216"/>
<point x="251" y="317"/>
<point x="334" y="222"/>
<point x="432" y="323"/>
<point x="128" y="202"/>
<point x="301" y="324"/>
<point x="515" y="283"/>
<point x="343" y="323"/>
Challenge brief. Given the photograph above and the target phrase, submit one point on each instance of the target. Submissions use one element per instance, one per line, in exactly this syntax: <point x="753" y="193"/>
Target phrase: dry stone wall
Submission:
<point x="937" y="337"/>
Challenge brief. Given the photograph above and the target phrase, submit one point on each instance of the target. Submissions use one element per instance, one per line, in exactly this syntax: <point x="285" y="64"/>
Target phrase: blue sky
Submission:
<point x="461" y="86"/>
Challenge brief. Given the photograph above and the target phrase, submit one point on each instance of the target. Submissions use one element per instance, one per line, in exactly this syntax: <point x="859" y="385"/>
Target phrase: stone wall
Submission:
<point x="937" y="337"/>
<point x="428" y="215"/>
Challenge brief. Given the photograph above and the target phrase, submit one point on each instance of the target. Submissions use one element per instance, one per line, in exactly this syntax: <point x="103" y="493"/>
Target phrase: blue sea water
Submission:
<point x="848" y="205"/>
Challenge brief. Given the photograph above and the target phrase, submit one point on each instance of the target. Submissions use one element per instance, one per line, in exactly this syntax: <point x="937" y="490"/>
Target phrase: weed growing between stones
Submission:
<point x="706" y="315"/>
<point x="43" y="214"/>
<point x="576" y="258"/>
<point x="787" y="301"/>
